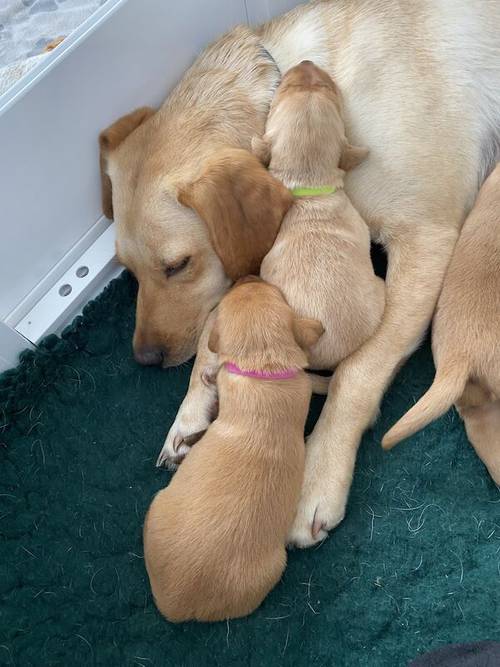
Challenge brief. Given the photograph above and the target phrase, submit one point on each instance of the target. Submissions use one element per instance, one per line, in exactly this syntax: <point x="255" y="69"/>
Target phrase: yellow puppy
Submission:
<point x="466" y="336"/>
<point x="321" y="256"/>
<point x="214" y="539"/>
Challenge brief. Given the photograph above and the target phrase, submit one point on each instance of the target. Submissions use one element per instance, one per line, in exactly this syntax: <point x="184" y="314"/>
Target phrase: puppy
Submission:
<point x="321" y="257"/>
<point x="466" y="336"/>
<point x="214" y="539"/>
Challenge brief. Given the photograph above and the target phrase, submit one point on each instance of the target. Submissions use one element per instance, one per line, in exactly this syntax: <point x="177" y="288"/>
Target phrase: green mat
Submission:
<point x="415" y="565"/>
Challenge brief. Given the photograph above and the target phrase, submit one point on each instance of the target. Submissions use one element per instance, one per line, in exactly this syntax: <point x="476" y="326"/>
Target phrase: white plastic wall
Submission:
<point x="130" y="53"/>
<point x="259" y="11"/>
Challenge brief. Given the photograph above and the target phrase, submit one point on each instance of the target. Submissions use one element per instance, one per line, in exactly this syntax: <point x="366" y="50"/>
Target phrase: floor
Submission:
<point x="414" y="566"/>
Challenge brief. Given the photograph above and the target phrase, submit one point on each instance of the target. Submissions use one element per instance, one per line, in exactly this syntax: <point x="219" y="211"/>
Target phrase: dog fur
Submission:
<point x="466" y="336"/>
<point x="421" y="87"/>
<point x="321" y="257"/>
<point x="214" y="539"/>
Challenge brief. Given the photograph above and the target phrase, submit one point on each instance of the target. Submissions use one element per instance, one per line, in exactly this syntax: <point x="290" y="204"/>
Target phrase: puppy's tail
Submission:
<point x="320" y="383"/>
<point x="446" y="389"/>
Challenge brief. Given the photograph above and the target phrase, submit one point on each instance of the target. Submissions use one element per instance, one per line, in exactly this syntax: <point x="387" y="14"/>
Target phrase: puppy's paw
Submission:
<point x="321" y="508"/>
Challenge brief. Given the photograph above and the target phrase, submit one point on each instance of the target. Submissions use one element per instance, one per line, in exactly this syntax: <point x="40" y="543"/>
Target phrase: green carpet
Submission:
<point x="415" y="565"/>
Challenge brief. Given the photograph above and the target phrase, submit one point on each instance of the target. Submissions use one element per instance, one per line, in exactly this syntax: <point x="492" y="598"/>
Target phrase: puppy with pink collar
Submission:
<point x="214" y="539"/>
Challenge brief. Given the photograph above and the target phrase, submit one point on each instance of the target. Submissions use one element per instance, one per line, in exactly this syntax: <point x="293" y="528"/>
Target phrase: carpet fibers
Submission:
<point x="414" y="566"/>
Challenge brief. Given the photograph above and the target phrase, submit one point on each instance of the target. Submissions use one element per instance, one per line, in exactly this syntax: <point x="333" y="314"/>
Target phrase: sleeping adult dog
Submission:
<point x="421" y="82"/>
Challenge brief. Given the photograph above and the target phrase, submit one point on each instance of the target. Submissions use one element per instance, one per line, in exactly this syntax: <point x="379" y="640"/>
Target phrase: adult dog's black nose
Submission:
<point x="149" y="355"/>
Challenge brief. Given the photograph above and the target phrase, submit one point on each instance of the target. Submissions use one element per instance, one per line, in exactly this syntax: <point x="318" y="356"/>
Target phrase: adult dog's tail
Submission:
<point x="446" y="389"/>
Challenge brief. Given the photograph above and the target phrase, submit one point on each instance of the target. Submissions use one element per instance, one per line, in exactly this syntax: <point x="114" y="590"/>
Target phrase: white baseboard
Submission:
<point x="51" y="278"/>
<point x="83" y="280"/>
<point x="11" y="346"/>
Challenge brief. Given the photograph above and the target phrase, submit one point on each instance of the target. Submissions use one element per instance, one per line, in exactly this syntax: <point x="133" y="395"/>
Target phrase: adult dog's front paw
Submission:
<point x="318" y="513"/>
<point x="323" y="500"/>
<point x="193" y="419"/>
<point x="177" y="445"/>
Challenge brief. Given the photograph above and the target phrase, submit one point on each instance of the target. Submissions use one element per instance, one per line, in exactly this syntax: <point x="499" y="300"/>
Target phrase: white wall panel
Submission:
<point x="49" y="187"/>
<point x="259" y="11"/>
<point x="129" y="53"/>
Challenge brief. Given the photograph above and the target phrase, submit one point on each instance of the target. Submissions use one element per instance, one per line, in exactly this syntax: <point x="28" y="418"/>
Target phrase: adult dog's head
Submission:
<point x="192" y="216"/>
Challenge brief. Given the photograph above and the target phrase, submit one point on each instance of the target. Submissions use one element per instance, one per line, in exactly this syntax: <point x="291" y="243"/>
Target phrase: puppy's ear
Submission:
<point x="261" y="148"/>
<point x="213" y="339"/>
<point x="307" y="332"/>
<point x="111" y="138"/>
<point x="352" y="156"/>
<point x="242" y="206"/>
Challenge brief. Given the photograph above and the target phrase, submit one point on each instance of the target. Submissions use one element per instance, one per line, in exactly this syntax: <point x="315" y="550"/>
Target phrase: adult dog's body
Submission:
<point x="421" y="83"/>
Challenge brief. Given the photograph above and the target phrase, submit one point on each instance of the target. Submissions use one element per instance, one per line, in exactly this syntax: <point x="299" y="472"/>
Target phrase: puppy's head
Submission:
<point x="190" y="219"/>
<point x="306" y="127"/>
<point x="257" y="329"/>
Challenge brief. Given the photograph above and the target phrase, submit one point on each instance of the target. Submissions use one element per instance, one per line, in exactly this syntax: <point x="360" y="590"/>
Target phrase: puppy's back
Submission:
<point x="321" y="262"/>
<point x="210" y="587"/>
<point x="214" y="538"/>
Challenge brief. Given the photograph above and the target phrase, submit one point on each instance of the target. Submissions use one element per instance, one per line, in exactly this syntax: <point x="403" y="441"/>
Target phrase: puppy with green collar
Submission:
<point x="321" y="257"/>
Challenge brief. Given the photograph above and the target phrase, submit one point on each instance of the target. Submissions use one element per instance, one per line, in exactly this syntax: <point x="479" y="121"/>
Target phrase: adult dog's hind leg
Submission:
<point x="417" y="264"/>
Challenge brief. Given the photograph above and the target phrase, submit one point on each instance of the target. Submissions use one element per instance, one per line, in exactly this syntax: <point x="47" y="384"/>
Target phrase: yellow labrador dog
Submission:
<point x="421" y="86"/>
<point x="466" y="336"/>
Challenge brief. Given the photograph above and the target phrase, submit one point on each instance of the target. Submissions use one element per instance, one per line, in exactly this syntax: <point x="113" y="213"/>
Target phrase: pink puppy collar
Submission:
<point x="286" y="374"/>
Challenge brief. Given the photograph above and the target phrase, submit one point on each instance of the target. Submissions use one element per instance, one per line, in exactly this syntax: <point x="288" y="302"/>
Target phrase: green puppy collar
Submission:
<point x="313" y="192"/>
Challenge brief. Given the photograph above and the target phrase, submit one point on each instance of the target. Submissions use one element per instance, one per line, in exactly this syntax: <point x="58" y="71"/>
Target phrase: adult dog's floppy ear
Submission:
<point x="111" y="138"/>
<point x="242" y="206"/>
<point x="352" y="156"/>
<point x="307" y="332"/>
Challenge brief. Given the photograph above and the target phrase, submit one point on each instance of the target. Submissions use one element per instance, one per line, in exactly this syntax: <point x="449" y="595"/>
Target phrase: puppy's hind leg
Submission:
<point x="320" y="383"/>
<point x="199" y="407"/>
<point x="380" y="297"/>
